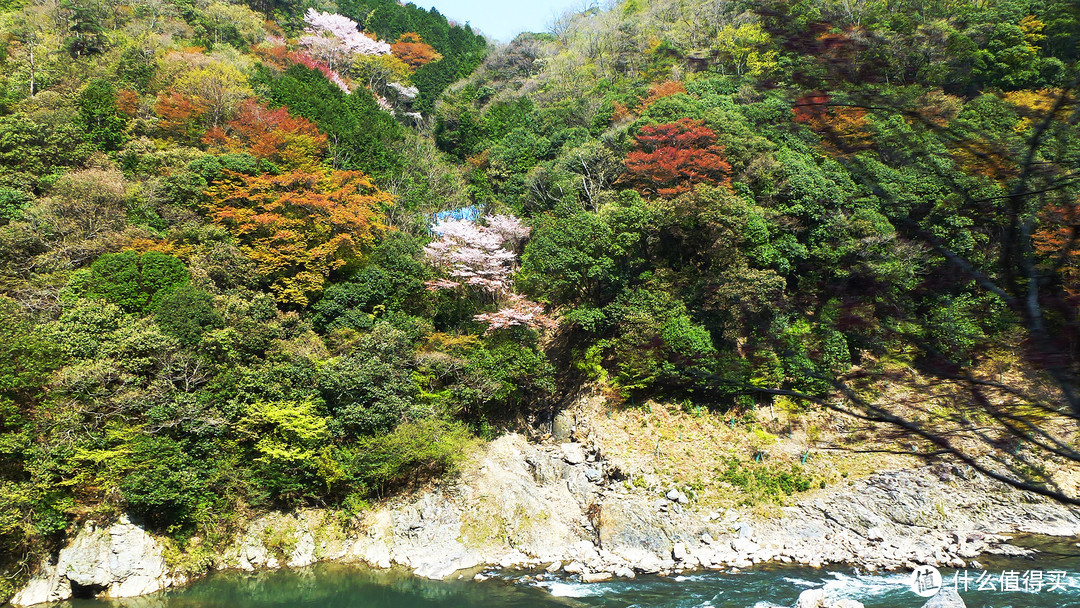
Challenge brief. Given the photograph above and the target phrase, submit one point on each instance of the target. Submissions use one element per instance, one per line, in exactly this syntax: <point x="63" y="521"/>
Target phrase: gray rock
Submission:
<point x="574" y="568"/>
<point x="595" y="577"/>
<point x="404" y="92"/>
<point x="573" y="453"/>
<point x="562" y="426"/>
<point x="679" y="552"/>
<point x="593" y="475"/>
<point x="946" y="597"/>
<point x="743" y="545"/>
<point x="641" y="560"/>
<point x="811" y="598"/>
<point x="122" y="560"/>
<point x="744" y="529"/>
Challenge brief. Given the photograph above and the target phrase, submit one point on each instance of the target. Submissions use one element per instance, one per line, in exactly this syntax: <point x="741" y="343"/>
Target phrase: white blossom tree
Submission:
<point x="335" y="39"/>
<point x="483" y="256"/>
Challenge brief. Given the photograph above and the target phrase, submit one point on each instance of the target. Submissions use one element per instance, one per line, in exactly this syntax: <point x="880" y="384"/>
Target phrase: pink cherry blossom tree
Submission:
<point x="483" y="257"/>
<point x="310" y="62"/>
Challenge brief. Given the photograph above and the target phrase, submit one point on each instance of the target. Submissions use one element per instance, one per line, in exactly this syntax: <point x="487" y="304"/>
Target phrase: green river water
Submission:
<point x="343" y="586"/>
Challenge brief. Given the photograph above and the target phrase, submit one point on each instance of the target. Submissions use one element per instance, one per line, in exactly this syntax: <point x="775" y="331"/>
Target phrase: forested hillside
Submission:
<point x="280" y="255"/>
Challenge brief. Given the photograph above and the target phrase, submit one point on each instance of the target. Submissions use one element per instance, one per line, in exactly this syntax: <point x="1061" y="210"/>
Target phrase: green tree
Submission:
<point x="370" y="389"/>
<point x="185" y="313"/>
<point x="97" y="109"/>
<point x="130" y="280"/>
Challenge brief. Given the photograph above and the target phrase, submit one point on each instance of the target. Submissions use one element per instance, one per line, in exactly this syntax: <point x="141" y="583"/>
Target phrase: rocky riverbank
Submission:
<point x="564" y="507"/>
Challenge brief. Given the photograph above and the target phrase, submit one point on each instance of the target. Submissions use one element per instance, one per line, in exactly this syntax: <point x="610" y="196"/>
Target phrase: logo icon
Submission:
<point x="925" y="581"/>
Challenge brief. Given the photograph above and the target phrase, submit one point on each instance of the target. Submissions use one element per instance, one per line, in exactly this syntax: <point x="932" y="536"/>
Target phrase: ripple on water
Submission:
<point x="571" y="589"/>
<point x="864" y="585"/>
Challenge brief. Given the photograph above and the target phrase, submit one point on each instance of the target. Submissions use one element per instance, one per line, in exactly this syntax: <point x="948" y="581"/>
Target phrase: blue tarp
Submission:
<point x="470" y="213"/>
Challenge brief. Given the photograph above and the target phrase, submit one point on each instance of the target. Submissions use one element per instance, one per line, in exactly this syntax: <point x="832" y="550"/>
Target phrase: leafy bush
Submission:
<point x="166" y="486"/>
<point x="11" y="203"/>
<point x="410" y="453"/>
<point x="764" y="481"/>
<point x="130" y="280"/>
<point x="371" y="389"/>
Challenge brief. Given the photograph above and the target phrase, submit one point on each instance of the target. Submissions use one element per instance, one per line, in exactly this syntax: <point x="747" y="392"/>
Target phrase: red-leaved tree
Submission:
<point x="673" y="157"/>
<point x="1058" y="240"/>
<point x="291" y="142"/>
<point x="844" y="129"/>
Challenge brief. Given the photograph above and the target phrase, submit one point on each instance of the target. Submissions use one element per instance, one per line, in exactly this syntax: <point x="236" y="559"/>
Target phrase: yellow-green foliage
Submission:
<point x="284" y="430"/>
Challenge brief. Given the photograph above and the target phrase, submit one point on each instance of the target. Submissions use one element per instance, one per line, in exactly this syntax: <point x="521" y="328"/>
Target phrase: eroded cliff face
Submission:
<point x="565" y="507"/>
<point x="120" y="560"/>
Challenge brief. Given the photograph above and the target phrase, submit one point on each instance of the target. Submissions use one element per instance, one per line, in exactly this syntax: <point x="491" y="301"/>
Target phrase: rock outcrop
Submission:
<point x="119" y="561"/>
<point x="531" y="505"/>
<point x="521" y="504"/>
<point x="292" y="540"/>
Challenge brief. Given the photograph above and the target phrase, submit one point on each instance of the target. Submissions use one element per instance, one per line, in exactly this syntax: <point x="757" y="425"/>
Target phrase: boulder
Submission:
<point x="679" y="552"/>
<point x="119" y="561"/>
<point x="641" y="560"/>
<point x="574" y="568"/>
<point x="563" y="426"/>
<point x="812" y="598"/>
<point x="595" y="577"/>
<point x="573" y="453"/>
<point x="946" y="597"/>
<point x="744" y="529"/>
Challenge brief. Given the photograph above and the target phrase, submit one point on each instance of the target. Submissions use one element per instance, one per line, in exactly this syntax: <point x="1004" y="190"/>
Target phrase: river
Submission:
<point x="341" y="586"/>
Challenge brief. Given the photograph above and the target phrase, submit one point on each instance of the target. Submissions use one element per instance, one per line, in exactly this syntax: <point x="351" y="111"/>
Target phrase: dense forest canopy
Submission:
<point x="224" y="289"/>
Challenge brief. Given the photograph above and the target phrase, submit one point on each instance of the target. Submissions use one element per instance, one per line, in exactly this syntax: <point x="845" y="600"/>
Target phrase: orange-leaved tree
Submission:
<point x="179" y="115"/>
<point x="1058" y="239"/>
<point x="299" y="227"/>
<point x="291" y="142"/>
<point x="661" y="90"/>
<point x="844" y="129"/>
<point x="673" y="157"/>
<point x="412" y="49"/>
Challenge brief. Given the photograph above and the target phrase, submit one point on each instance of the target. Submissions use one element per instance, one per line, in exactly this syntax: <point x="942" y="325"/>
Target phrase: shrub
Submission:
<point x="763" y="481"/>
<point x="130" y="280"/>
<point x="410" y="453"/>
